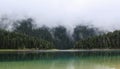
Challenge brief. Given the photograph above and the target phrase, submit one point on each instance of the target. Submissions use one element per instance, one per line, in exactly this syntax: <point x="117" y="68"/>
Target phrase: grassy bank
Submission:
<point x="56" y="50"/>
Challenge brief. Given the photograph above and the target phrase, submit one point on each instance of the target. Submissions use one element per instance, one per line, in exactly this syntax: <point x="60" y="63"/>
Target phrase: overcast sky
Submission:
<point x="101" y="13"/>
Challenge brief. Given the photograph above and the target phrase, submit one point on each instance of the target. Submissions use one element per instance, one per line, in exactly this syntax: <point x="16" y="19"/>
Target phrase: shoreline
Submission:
<point x="57" y="50"/>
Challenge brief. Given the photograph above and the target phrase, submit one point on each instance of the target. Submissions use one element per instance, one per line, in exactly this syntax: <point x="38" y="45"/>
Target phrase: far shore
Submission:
<point x="56" y="50"/>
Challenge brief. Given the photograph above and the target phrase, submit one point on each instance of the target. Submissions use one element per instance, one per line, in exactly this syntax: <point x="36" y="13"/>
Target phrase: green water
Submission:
<point x="60" y="60"/>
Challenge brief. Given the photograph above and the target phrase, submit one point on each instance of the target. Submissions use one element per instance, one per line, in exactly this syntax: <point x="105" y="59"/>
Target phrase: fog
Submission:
<point x="103" y="14"/>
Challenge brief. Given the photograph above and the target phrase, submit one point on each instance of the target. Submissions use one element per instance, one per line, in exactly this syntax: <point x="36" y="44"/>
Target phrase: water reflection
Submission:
<point x="60" y="60"/>
<point x="103" y="67"/>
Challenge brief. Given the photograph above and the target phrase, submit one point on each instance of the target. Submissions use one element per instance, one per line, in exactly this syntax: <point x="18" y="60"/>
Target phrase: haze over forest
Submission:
<point x="103" y="14"/>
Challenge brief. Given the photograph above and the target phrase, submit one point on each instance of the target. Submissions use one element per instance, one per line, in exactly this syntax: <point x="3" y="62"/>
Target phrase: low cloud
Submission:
<point x="104" y="14"/>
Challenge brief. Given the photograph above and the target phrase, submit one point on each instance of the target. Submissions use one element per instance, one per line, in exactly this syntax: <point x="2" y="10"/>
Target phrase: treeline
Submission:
<point x="110" y="40"/>
<point x="57" y="37"/>
<point x="13" y="40"/>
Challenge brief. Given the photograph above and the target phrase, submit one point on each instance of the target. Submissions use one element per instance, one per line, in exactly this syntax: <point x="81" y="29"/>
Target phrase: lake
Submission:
<point x="60" y="60"/>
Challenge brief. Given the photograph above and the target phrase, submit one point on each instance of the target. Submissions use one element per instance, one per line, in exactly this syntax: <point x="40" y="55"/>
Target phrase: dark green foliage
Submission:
<point x="12" y="40"/>
<point x="27" y="27"/>
<point x="23" y="26"/>
<point x="61" y="38"/>
<point x="83" y="32"/>
<point x="57" y="35"/>
<point x="42" y="33"/>
<point x="106" y="41"/>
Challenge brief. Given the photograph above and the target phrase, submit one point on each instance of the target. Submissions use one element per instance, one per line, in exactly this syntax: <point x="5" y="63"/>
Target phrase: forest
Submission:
<point x="25" y="35"/>
<point x="13" y="40"/>
<point x="111" y="40"/>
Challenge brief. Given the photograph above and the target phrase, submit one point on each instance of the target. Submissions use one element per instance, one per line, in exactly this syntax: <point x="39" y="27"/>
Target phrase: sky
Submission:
<point x="104" y="14"/>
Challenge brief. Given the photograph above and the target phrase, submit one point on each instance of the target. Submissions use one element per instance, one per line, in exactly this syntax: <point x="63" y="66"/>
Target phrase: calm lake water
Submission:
<point x="60" y="60"/>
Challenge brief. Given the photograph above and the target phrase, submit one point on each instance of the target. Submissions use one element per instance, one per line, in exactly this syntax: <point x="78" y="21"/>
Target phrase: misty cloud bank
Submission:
<point x="7" y="22"/>
<point x="103" y="14"/>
